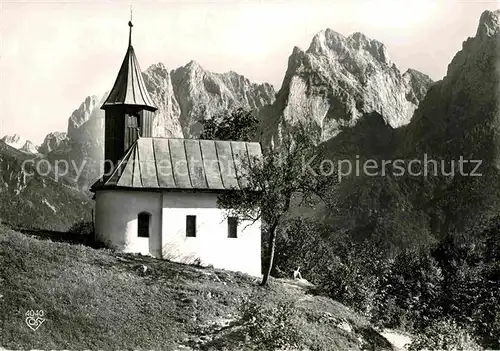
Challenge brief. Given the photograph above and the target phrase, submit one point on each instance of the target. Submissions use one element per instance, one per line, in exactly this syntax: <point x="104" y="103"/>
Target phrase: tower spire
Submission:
<point x="130" y="26"/>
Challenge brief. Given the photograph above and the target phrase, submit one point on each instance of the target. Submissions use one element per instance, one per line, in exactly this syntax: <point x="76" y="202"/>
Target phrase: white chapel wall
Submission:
<point x="116" y="224"/>
<point x="211" y="246"/>
<point x="116" y="220"/>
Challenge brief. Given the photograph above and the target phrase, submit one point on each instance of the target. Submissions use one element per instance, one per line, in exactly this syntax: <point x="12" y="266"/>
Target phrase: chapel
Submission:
<point x="158" y="196"/>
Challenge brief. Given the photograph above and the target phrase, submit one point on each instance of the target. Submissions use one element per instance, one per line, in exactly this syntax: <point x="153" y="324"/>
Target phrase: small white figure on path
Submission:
<point x="296" y="274"/>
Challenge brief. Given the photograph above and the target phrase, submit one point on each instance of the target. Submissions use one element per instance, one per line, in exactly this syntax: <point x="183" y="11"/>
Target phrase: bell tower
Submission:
<point x="129" y="110"/>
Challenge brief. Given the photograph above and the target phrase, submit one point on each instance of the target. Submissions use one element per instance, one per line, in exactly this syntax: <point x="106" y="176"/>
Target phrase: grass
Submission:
<point x="99" y="299"/>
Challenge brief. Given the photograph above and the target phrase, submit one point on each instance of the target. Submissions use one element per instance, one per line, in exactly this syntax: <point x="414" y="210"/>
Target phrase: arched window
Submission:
<point x="143" y="223"/>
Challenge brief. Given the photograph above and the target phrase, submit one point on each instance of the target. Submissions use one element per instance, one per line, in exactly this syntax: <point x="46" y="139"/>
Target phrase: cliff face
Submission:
<point x="88" y="109"/>
<point x="339" y="79"/>
<point x="458" y="119"/>
<point x="183" y="96"/>
<point x="419" y="84"/>
<point x="201" y="94"/>
<point x="159" y="84"/>
<point x="52" y="142"/>
<point x="331" y="85"/>
<point x="463" y="107"/>
<point x="82" y="147"/>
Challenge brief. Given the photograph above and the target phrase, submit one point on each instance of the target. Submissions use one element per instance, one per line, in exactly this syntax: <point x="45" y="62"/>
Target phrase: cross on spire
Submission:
<point x="129" y="88"/>
<point x="130" y="25"/>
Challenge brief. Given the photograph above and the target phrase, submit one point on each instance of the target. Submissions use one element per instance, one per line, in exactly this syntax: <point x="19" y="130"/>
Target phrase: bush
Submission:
<point x="456" y="278"/>
<point x="82" y="228"/>
<point x="271" y="326"/>
<point x="83" y="232"/>
<point x="408" y="297"/>
<point x="345" y="271"/>
<point x="444" y="335"/>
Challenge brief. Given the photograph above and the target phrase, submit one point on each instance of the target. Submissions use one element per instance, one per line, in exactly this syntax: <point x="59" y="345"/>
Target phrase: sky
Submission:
<point x="53" y="53"/>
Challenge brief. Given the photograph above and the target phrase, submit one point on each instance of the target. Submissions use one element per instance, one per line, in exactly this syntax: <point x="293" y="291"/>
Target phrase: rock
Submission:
<point x="419" y="83"/>
<point x="143" y="269"/>
<point x="398" y="339"/>
<point x="88" y="108"/>
<point x="344" y="325"/>
<point x="15" y="141"/>
<point x="52" y="142"/>
<point x="183" y="96"/>
<point x="201" y="94"/>
<point x="18" y="142"/>
<point x="339" y="79"/>
<point x="159" y="84"/>
<point x="190" y="300"/>
<point x="489" y="24"/>
<point x="459" y="118"/>
<point x="29" y="148"/>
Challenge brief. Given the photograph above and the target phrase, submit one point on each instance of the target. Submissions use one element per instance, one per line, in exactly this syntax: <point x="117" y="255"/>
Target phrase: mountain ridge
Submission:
<point x="18" y="142"/>
<point x="337" y="80"/>
<point x="32" y="200"/>
<point x="457" y="119"/>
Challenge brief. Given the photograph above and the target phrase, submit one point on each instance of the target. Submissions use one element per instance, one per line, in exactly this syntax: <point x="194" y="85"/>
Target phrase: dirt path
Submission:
<point x="396" y="338"/>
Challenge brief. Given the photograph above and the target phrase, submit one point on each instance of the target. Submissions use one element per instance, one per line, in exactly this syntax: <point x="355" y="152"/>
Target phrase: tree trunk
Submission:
<point x="270" y="251"/>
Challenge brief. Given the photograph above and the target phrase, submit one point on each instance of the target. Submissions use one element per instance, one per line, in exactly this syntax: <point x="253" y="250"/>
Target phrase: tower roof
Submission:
<point x="129" y="87"/>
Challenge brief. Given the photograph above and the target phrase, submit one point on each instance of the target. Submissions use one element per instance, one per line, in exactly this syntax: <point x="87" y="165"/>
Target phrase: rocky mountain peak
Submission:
<point x="419" y="83"/>
<point x="192" y="68"/>
<point x="333" y="44"/>
<point x="29" y="147"/>
<point x="374" y="47"/>
<point x="489" y="24"/>
<point x="201" y="94"/>
<point x="82" y="114"/>
<point x="15" y="140"/>
<point x="183" y="96"/>
<point x="159" y="84"/>
<point x="458" y="118"/>
<point x="157" y="66"/>
<point x="52" y="141"/>
<point x="337" y="80"/>
<point x="326" y="40"/>
<point x="477" y="57"/>
<point x="18" y="142"/>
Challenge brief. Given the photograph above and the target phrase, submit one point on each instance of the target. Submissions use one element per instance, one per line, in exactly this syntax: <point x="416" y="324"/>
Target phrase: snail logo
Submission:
<point x="34" y="319"/>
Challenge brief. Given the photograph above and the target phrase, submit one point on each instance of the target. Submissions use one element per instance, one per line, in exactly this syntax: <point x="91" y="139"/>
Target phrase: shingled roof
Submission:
<point x="129" y="87"/>
<point x="183" y="164"/>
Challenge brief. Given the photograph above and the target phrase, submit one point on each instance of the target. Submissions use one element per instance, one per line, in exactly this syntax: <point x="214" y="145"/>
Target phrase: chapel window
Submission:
<point x="191" y="226"/>
<point x="232" y="227"/>
<point x="143" y="224"/>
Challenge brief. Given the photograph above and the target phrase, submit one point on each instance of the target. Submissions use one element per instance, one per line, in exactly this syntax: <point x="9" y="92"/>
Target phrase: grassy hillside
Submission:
<point x="98" y="299"/>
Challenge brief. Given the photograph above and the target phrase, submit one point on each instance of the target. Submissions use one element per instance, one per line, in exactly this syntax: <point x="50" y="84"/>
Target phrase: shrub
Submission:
<point x="444" y="335"/>
<point x="408" y="296"/>
<point x="271" y="325"/>
<point x="83" y="232"/>
<point x="345" y="271"/>
<point x="82" y="228"/>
